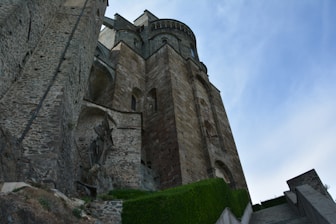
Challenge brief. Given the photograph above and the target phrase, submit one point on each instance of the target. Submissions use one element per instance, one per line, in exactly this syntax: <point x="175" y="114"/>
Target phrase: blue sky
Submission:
<point x="274" y="62"/>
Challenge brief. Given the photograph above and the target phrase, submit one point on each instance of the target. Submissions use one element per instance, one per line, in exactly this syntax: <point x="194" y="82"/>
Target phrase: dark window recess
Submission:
<point x="133" y="103"/>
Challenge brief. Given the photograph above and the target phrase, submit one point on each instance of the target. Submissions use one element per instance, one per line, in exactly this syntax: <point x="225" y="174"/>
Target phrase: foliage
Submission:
<point x="86" y="199"/>
<point x="45" y="203"/>
<point x="77" y="212"/>
<point x="200" y="202"/>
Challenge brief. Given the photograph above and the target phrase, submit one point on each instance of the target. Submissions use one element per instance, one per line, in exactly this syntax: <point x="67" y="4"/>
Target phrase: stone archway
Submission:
<point x="100" y="87"/>
<point x="222" y="171"/>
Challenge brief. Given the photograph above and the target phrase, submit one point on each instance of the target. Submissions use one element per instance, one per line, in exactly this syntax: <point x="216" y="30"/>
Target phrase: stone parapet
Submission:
<point x="317" y="207"/>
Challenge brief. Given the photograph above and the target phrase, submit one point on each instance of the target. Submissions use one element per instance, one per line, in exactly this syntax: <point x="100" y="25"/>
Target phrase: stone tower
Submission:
<point x="152" y="67"/>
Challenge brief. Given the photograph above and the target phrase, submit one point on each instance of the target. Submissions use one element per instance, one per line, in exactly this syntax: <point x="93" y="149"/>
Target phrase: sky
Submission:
<point x="274" y="62"/>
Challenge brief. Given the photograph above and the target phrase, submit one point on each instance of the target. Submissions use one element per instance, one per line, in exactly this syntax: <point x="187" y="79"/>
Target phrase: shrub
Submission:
<point x="77" y="212"/>
<point x="44" y="203"/>
<point x="200" y="202"/>
<point x="129" y="193"/>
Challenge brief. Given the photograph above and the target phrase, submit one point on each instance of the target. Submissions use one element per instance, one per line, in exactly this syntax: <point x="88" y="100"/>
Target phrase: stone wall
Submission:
<point x="22" y="24"/>
<point x="160" y="134"/>
<point x="108" y="212"/>
<point x="310" y="177"/>
<point x="112" y="164"/>
<point x="192" y="150"/>
<point x="227" y="156"/>
<point x="41" y="107"/>
<point x="130" y="77"/>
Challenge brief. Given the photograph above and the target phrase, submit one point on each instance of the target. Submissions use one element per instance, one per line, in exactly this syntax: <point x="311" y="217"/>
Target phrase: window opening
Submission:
<point x="133" y="103"/>
<point x="192" y="51"/>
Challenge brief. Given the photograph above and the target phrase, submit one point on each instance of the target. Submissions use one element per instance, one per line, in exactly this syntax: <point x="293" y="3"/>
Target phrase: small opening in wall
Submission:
<point x="133" y="103"/>
<point x="192" y="51"/>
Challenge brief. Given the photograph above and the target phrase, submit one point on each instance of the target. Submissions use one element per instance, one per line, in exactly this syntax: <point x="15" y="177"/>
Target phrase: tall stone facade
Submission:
<point x="152" y="67"/>
<point x="132" y="110"/>
<point x="46" y="52"/>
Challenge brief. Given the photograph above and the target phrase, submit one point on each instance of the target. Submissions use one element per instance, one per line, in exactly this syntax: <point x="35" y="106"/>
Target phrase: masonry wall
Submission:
<point x="121" y="163"/>
<point x="130" y="75"/>
<point x="194" y="164"/>
<point x="228" y="154"/>
<point x="160" y="133"/>
<point x="41" y="108"/>
<point x="22" y="24"/>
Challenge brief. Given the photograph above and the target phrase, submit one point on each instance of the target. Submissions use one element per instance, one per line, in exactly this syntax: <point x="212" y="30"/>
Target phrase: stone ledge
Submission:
<point x="317" y="207"/>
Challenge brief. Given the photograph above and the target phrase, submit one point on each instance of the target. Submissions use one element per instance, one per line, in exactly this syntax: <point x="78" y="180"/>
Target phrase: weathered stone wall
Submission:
<point x="41" y="108"/>
<point x="160" y="134"/>
<point x="120" y="162"/>
<point x="107" y="37"/>
<point x="311" y="178"/>
<point x="101" y="82"/>
<point x="194" y="164"/>
<point x="130" y="75"/>
<point x="108" y="212"/>
<point x="227" y="157"/>
<point x="22" y="24"/>
<point x="10" y="153"/>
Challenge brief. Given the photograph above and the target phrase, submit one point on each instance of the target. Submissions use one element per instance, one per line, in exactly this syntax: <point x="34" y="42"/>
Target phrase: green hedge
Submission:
<point x="200" y="202"/>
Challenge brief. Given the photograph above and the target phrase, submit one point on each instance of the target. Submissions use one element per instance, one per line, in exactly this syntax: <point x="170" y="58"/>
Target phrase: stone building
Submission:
<point x="150" y="71"/>
<point x="134" y="109"/>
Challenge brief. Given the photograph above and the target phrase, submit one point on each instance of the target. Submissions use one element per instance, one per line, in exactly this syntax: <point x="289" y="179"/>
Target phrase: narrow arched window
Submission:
<point x="136" y="101"/>
<point x="152" y="101"/>
<point x="133" y="103"/>
<point x="192" y="51"/>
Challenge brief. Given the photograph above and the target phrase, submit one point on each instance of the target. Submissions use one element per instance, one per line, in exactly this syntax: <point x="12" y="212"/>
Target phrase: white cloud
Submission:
<point x="297" y="139"/>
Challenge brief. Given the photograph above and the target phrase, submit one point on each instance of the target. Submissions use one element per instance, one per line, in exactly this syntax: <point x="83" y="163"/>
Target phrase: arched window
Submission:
<point x="100" y="84"/>
<point x="133" y="103"/>
<point x="192" y="51"/>
<point x="222" y="171"/>
<point x="136" y="100"/>
<point x="152" y="101"/>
